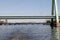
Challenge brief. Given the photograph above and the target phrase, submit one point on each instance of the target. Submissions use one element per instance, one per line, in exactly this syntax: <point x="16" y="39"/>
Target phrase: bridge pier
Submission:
<point x="51" y="24"/>
<point x="6" y="21"/>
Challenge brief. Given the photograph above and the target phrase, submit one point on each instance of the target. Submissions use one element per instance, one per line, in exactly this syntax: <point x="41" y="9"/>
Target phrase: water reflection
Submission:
<point x="53" y="31"/>
<point x="55" y="34"/>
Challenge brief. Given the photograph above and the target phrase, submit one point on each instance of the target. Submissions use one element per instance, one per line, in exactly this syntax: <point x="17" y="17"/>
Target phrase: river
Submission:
<point x="26" y="32"/>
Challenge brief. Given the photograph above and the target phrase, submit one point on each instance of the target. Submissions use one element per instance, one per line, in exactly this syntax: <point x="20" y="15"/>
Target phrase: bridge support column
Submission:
<point x="57" y="20"/>
<point x="52" y="21"/>
<point x="6" y="21"/>
<point x="55" y="11"/>
<point x="56" y="23"/>
<point x="56" y="14"/>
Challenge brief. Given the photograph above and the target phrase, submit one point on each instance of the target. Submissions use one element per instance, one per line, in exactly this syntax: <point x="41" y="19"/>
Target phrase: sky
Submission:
<point x="26" y="7"/>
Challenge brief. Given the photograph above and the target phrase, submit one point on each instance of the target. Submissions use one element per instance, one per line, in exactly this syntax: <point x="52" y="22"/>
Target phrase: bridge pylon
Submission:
<point x="56" y="14"/>
<point x="54" y="11"/>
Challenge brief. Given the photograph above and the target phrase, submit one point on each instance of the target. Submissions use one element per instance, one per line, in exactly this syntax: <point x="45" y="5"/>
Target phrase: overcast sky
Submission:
<point x="26" y="7"/>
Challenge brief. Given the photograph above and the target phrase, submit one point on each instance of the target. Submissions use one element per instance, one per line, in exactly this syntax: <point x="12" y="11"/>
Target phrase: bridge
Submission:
<point x="52" y="17"/>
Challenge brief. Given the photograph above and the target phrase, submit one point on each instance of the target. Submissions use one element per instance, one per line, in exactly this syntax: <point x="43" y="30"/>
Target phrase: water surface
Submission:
<point x="26" y="32"/>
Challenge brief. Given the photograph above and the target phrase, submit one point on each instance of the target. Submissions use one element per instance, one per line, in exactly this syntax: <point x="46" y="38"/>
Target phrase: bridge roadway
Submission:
<point x="27" y="17"/>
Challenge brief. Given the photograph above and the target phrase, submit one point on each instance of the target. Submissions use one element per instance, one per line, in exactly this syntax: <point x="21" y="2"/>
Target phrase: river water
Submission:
<point x="26" y="32"/>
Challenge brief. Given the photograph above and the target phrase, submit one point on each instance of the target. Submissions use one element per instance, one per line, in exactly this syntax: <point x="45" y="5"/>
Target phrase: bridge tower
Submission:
<point x="56" y="14"/>
<point x="54" y="11"/>
<point x="56" y="23"/>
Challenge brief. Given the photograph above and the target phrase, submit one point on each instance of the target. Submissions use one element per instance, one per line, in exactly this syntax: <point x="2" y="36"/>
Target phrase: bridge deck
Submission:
<point x="27" y="17"/>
